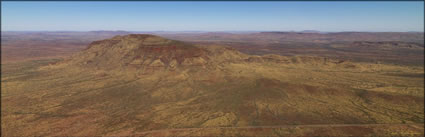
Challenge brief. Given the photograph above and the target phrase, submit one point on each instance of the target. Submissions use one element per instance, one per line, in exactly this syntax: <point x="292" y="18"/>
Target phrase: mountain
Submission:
<point x="310" y="31"/>
<point x="141" y="84"/>
<point x="144" y="53"/>
<point x="105" y="32"/>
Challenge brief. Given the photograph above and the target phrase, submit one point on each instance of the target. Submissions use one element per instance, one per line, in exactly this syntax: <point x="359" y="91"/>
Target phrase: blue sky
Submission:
<point x="212" y="16"/>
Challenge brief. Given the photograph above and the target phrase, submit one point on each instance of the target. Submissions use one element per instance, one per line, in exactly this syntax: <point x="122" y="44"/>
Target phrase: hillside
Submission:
<point x="133" y="84"/>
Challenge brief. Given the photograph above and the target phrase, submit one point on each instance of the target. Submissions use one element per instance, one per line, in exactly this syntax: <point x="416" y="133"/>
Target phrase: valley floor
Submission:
<point x="234" y="99"/>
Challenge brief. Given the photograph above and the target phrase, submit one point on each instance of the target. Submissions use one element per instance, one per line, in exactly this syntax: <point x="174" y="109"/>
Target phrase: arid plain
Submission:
<point x="212" y="84"/>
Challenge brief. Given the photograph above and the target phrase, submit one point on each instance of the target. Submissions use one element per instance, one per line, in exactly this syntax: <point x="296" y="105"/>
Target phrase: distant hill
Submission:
<point x="310" y="31"/>
<point x="119" y="32"/>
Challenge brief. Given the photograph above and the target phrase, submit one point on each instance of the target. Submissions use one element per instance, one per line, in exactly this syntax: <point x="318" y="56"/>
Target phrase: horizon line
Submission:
<point x="307" y="31"/>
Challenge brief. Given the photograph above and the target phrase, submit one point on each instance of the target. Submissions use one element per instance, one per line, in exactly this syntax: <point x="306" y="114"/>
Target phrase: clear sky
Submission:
<point x="212" y="16"/>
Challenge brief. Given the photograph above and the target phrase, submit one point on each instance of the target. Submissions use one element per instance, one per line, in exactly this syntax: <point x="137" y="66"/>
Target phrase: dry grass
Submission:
<point x="73" y="101"/>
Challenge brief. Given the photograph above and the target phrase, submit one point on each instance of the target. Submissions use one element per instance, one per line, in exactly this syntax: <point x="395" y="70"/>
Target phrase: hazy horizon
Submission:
<point x="214" y="16"/>
<point x="247" y="31"/>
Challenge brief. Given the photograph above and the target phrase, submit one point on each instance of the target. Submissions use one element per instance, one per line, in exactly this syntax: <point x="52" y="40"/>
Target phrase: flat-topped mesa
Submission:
<point x="143" y="52"/>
